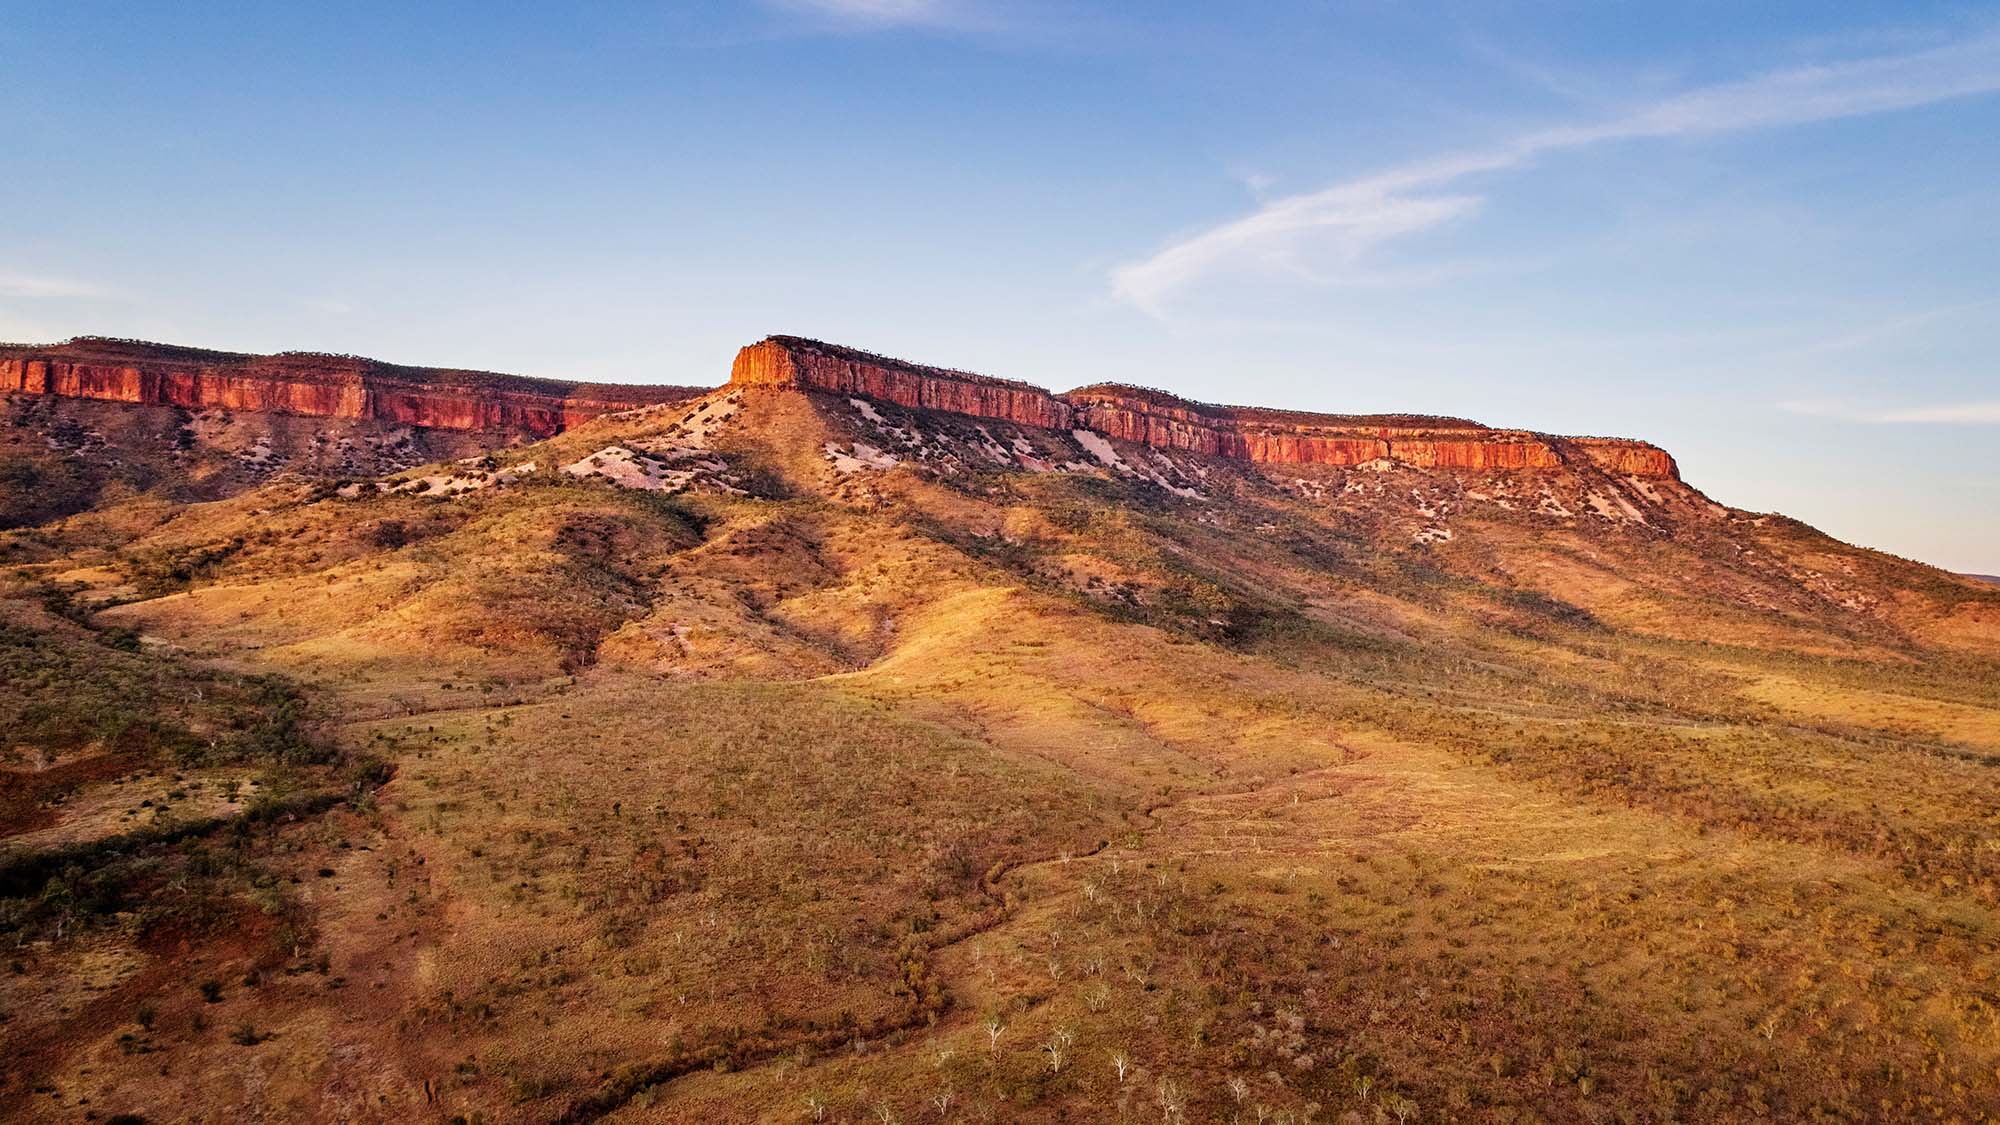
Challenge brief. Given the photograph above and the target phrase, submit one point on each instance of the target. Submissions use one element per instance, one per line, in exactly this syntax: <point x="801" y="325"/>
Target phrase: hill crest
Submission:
<point x="1165" y="421"/>
<point x="316" y="384"/>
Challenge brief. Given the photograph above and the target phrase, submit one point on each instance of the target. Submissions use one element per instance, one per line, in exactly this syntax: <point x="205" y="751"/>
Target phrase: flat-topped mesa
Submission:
<point x="316" y="385"/>
<point x="792" y="361"/>
<point x="1164" y="421"/>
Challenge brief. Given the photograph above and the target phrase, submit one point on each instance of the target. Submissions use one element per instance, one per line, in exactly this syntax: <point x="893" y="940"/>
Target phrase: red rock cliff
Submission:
<point x="317" y="385"/>
<point x="1630" y="458"/>
<point x="1161" y="420"/>
<point x="795" y="362"/>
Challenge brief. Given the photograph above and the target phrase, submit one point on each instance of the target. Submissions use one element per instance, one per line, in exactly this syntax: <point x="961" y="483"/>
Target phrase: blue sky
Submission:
<point x="1764" y="235"/>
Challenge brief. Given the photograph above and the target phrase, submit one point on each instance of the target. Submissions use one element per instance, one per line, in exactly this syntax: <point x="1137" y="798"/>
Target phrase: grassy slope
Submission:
<point x="912" y="801"/>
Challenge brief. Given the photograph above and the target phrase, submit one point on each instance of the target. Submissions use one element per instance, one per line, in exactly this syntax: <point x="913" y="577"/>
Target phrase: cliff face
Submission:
<point x="327" y="386"/>
<point x="794" y="362"/>
<point x="1162" y="421"/>
<point x="1631" y="458"/>
<point x="348" y="387"/>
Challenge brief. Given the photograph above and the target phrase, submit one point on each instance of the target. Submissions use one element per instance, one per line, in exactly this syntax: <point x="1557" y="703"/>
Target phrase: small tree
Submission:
<point x="1058" y="1048"/>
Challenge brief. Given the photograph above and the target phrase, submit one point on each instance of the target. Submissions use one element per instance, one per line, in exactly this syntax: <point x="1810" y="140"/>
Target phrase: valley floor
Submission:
<point x="881" y="896"/>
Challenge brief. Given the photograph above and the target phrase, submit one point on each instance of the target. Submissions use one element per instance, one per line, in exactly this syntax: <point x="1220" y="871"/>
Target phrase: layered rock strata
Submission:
<point x="790" y="361"/>
<point x="317" y="385"/>
<point x="1163" y="421"/>
<point x="349" y="387"/>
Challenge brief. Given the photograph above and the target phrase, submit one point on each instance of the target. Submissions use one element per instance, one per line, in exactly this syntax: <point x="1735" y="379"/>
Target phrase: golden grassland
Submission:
<point x="991" y="799"/>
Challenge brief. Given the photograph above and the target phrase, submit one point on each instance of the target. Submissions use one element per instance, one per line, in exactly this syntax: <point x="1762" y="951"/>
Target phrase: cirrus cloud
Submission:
<point x="1326" y="233"/>
<point x="882" y="14"/>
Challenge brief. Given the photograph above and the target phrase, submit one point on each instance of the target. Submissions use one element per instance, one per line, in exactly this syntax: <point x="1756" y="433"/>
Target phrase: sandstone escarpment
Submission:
<point x="316" y="385"/>
<point x="352" y="388"/>
<point x="1163" y="421"/>
<point x="792" y="361"/>
<point x="1632" y="458"/>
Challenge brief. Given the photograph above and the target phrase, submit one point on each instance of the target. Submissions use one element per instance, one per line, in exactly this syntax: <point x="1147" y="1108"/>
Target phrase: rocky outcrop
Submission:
<point x="1629" y="458"/>
<point x="317" y="385"/>
<point x="795" y="362"/>
<point x="349" y="387"/>
<point x="1163" y="421"/>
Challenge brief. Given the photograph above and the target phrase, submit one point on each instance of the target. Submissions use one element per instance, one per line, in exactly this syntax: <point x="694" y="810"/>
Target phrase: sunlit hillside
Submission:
<point x="784" y="756"/>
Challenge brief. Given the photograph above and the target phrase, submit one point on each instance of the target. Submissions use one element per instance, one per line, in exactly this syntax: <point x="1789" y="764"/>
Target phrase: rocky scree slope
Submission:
<point x="93" y="420"/>
<point x="1482" y="500"/>
<point x="1593" y="529"/>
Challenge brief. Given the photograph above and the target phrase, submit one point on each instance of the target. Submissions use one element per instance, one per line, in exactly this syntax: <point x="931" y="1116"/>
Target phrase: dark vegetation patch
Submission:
<point x="97" y="689"/>
<point x="159" y="571"/>
<point x="91" y="704"/>
<point x="36" y="490"/>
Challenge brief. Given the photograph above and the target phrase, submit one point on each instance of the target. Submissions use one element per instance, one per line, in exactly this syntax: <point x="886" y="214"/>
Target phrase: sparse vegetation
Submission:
<point x="984" y="796"/>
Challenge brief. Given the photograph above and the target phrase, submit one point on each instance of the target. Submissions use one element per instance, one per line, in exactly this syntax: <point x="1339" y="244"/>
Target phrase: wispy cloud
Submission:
<point x="883" y="14"/>
<point x="24" y="285"/>
<point x="1962" y="414"/>
<point x="1337" y="225"/>
<point x="1314" y="236"/>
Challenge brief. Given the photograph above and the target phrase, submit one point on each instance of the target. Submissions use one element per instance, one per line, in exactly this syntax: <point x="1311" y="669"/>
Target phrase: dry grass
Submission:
<point x="1013" y="798"/>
